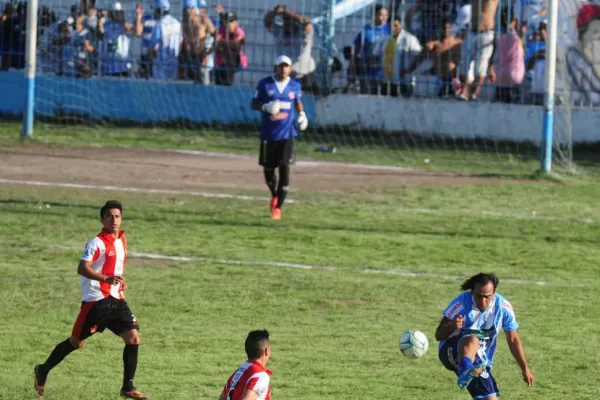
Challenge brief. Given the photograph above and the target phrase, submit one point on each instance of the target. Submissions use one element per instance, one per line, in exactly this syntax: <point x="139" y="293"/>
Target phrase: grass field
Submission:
<point x="336" y="282"/>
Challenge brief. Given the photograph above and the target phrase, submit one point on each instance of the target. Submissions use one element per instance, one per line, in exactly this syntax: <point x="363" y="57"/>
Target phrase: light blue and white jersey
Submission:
<point x="488" y="323"/>
<point x="114" y="50"/>
<point x="167" y="35"/>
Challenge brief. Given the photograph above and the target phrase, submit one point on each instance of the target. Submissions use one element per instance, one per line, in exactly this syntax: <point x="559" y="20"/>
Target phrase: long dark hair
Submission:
<point x="480" y="279"/>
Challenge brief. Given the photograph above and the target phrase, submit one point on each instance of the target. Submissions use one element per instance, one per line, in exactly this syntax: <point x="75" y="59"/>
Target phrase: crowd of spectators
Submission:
<point x="464" y="44"/>
<point x="458" y="42"/>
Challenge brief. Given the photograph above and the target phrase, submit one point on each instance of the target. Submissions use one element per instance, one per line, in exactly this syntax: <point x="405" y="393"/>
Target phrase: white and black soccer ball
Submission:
<point x="414" y="343"/>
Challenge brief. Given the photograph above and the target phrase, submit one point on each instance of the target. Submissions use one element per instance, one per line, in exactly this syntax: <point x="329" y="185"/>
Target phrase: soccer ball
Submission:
<point x="413" y="344"/>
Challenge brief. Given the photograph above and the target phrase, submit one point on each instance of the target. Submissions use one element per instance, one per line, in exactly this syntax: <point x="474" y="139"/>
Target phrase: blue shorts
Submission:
<point x="480" y="387"/>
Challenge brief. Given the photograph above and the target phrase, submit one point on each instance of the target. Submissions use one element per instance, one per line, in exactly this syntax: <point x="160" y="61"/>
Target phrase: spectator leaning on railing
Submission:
<point x="444" y="55"/>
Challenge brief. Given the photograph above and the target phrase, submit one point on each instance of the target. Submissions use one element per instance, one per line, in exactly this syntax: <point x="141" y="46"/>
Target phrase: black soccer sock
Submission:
<point x="284" y="182"/>
<point x="130" y="360"/>
<point x="59" y="353"/>
<point x="271" y="180"/>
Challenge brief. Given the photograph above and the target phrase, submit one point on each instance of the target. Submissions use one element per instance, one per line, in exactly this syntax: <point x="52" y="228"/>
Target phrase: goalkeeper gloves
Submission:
<point x="271" y="107"/>
<point x="302" y="121"/>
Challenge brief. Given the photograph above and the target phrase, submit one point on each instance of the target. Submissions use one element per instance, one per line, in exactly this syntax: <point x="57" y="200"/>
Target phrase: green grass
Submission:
<point x="335" y="331"/>
<point x="367" y="147"/>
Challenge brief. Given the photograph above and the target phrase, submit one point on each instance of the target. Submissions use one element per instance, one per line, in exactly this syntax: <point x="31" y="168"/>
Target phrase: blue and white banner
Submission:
<point x="345" y="8"/>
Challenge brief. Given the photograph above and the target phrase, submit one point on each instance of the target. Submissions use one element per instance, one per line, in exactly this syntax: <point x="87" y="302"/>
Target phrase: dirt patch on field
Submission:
<point x="162" y="169"/>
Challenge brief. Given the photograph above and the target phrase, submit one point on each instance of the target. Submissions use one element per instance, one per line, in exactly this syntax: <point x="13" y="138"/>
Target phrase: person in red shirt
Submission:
<point x="251" y="380"/>
<point x="102" y="267"/>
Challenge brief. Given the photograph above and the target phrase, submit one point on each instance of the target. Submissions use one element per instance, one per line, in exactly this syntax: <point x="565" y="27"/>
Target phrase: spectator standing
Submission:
<point x="78" y="51"/>
<point x="144" y="25"/>
<point x="400" y="54"/>
<point x="478" y="47"/>
<point x="166" y="42"/>
<point x="229" y="49"/>
<point x="114" y="49"/>
<point x="368" y="66"/>
<point x="509" y="60"/>
<point x="294" y="37"/>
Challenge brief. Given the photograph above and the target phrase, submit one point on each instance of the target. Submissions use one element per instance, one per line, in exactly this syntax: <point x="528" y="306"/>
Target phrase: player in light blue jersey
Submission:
<point x="468" y="331"/>
<point x="279" y="99"/>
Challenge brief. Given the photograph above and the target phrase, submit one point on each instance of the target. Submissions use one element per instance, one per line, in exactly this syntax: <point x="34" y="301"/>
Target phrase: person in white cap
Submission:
<point x="279" y="99"/>
<point x="166" y="43"/>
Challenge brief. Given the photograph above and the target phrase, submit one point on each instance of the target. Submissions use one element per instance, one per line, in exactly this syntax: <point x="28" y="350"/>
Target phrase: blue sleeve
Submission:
<point x="156" y="35"/>
<point x="456" y="307"/>
<point x="358" y="38"/>
<point x="259" y="93"/>
<point x="299" y="92"/>
<point x="509" y="320"/>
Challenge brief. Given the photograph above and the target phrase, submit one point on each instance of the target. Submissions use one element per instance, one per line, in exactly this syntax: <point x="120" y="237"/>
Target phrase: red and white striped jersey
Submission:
<point x="251" y="375"/>
<point x="108" y="255"/>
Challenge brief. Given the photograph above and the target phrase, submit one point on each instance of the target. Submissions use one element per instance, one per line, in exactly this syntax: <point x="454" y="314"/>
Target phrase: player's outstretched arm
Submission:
<point x="223" y="396"/>
<point x="516" y="348"/>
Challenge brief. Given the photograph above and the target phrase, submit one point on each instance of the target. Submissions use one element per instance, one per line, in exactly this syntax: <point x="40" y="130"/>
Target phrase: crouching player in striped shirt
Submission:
<point x="279" y="99"/>
<point x="468" y="332"/>
<point x="251" y="380"/>
<point x="102" y="267"/>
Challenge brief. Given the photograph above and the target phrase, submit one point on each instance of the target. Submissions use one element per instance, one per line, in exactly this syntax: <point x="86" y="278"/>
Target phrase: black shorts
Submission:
<point x="96" y="316"/>
<point x="274" y="154"/>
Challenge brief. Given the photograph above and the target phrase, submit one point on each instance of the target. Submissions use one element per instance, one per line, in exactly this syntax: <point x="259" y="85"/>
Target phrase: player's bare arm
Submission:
<point x="516" y="349"/>
<point x="447" y="327"/>
<point x="249" y="394"/>
<point x="223" y="396"/>
<point x="299" y="106"/>
<point x="139" y="25"/>
<point x="268" y="20"/>
<point x="85" y="269"/>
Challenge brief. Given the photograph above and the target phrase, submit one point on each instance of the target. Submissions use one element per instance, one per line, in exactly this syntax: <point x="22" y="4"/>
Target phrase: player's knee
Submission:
<point x="131" y="337"/>
<point x="469" y="341"/>
<point x="134" y="341"/>
<point x="76" y="343"/>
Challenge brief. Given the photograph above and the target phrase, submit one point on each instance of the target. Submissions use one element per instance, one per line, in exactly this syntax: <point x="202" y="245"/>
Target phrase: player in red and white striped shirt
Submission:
<point x="102" y="267"/>
<point x="251" y="380"/>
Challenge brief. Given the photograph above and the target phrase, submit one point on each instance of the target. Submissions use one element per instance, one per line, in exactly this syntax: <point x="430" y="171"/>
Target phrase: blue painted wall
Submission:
<point x="133" y="100"/>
